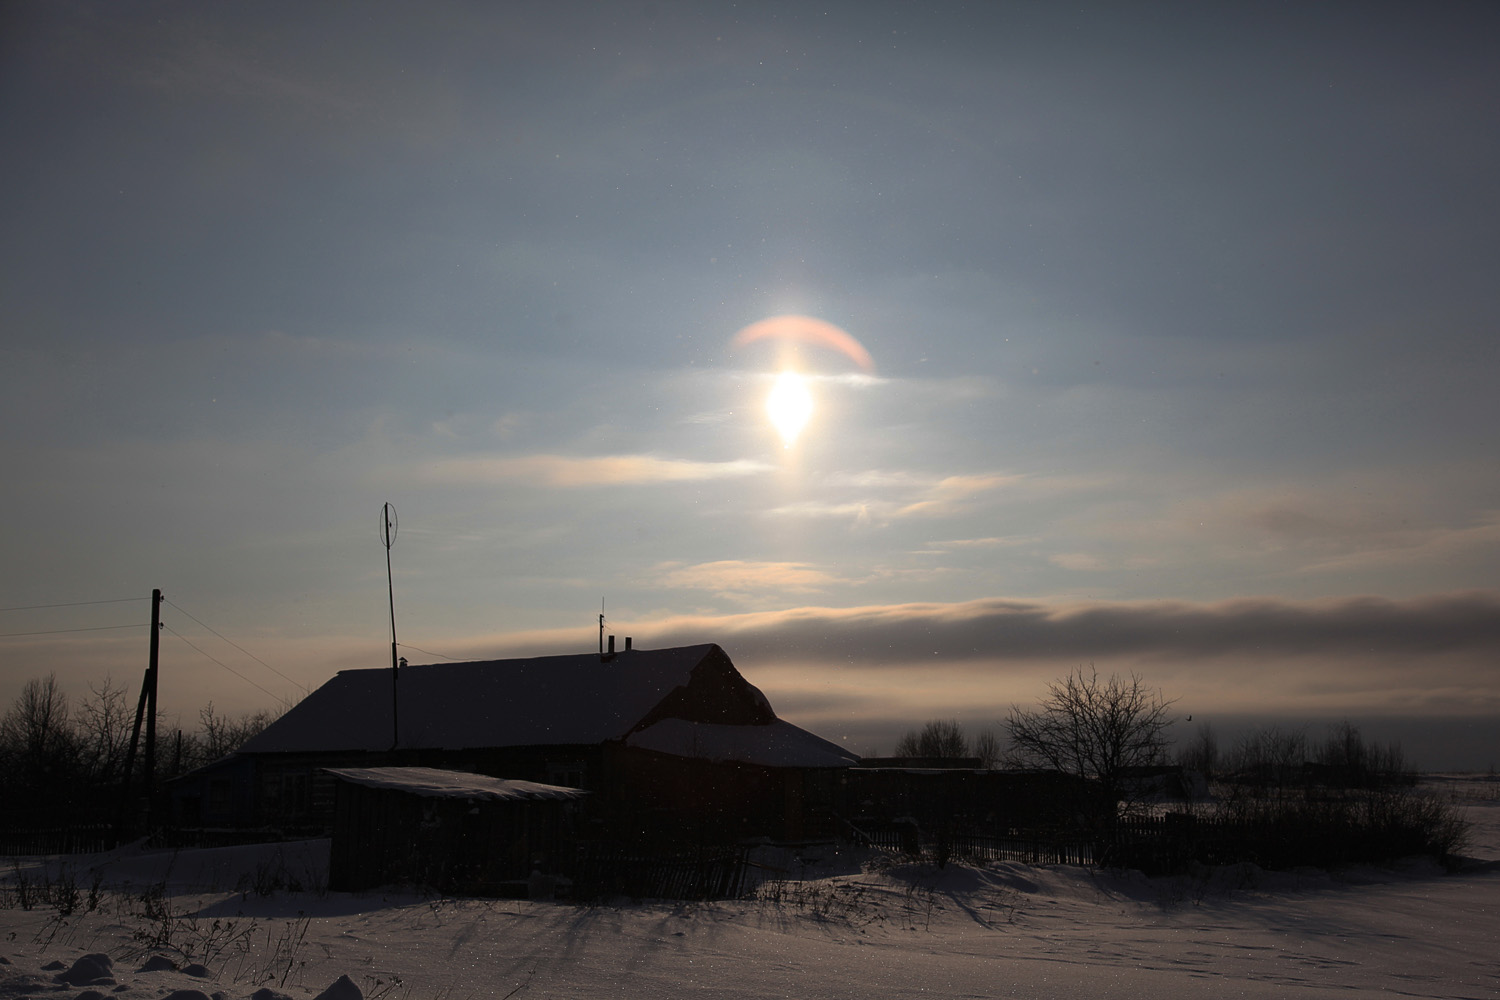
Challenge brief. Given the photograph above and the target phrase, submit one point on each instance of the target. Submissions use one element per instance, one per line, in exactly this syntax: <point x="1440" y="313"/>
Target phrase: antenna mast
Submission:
<point x="388" y="536"/>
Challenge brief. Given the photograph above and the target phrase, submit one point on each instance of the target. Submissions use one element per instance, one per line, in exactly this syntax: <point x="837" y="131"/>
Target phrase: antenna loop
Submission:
<point x="388" y="524"/>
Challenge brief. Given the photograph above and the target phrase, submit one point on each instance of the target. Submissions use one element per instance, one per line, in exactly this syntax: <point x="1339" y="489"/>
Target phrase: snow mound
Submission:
<point x="90" y="970"/>
<point x="343" y="988"/>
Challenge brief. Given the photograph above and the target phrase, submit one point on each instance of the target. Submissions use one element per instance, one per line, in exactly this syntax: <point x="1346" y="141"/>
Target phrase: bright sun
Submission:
<point x="789" y="405"/>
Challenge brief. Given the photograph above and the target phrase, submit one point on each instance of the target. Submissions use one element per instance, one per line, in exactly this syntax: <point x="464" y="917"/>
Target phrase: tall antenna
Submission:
<point x="601" y="627"/>
<point x="388" y="536"/>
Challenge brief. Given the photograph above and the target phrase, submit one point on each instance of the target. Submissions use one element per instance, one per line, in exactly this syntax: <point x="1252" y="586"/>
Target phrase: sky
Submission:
<point x="1180" y="324"/>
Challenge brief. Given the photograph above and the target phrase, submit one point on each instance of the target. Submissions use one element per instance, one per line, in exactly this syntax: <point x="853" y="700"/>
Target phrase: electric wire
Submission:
<point x="236" y="645"/>
<point x="407" y="645"/>
<point x="218" y="661"/>
<point x="70" y="604"/>
<point x="36" y="607"/>
<point x="59" y="631"/>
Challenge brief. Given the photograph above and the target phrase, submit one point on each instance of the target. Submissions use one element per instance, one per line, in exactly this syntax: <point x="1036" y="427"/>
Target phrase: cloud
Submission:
<point x="566" y="472"/>
<point x="333" y="95"/>
<point x="857" y="380"/>
<point x="867" y="670"/>
<point x="860" y="512"/>
<point x="875" y="479"/>
<point x="1419" y="546"/>
<point x="199" y="65"/>
<point x="949" y="496"/>
<point x="997" y="628"/>
<point x="1090" y="562"/>
<point x="897" y="494"/>
<point x="1427" y="655"/>
<point x="991" y="542"/>
<point x="509" y="424"/>
<point x="734" y="577"/>
<point x="1081" y="561"/>
<point x="1382" y="518"/>
<point x="1372" y="531"/>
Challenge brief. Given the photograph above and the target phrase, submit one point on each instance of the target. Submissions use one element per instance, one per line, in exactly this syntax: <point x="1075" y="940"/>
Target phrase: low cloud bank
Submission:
<point x="854" y="670"/>
<point x="1427" y="743"/>
<point x="1447" y="624"/>
<point x="868" y="672"/>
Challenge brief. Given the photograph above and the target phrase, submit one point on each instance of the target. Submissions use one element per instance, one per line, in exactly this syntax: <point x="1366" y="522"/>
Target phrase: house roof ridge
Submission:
<point x="634" y="652"/>
<point x="574" y="698"/>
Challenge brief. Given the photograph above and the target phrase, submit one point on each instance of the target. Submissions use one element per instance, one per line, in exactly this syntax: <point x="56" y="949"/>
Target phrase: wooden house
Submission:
<point x="668" y="739"/>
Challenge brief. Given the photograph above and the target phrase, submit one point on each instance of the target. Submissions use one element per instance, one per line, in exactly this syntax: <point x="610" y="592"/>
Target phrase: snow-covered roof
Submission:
<point x="540" y="701"/>
<point x="432" y="783"/>
<point x="779" y="744"/>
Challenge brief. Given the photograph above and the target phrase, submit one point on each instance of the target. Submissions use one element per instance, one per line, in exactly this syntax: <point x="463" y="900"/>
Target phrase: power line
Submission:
<point x="407" y="645"/>
<point x="236" y="645"/>
<point x="75" y="604"/>
<point x="220" y="662"/>
<point x="59" y="631"/>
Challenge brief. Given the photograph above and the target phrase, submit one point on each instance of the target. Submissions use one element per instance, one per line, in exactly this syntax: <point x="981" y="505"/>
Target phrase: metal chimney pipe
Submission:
<point x="627" y="644"/>
<point x="611" y="645"/>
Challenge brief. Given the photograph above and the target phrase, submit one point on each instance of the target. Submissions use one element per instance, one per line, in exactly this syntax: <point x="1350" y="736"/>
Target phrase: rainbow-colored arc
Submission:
<point x="809" y="330"/>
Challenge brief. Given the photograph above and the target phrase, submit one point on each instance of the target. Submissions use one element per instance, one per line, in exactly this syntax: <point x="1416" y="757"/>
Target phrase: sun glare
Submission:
<point x="790" y="405"/>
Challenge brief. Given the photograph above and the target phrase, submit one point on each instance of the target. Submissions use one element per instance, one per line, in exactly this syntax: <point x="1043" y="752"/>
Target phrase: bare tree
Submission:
<point x="38" y="746"/>
<point x="1201" y="754"/>
<point x="1357" y="763"/>
<point x="1268" y="761"/>
<point x="39" y="716"/>
<point x="938" y="738"/>
<point x="987" y="749"/>
<point x="102" y="724"/>
<point x="219" y="735"/>
<point x="61" y="761"/>
<point x="1093" y="728"/>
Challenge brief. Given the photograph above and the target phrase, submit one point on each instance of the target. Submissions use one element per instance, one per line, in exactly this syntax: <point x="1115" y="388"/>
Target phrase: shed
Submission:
<point x="451" y="830"/>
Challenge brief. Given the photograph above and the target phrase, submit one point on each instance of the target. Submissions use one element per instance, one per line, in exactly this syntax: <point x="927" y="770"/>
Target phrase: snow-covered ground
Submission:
<point x="838" y="926"/>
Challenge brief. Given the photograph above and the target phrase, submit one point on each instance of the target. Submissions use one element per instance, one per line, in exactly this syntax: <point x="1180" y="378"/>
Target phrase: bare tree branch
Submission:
<point x="938" y="738"/>
<point x="1093" y="728"/>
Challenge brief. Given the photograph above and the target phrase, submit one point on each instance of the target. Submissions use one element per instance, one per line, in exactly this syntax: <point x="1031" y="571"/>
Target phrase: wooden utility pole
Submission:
<point x="388" y="536"/>
<point x="147" y="700"/>
<point x="151" y="684"/>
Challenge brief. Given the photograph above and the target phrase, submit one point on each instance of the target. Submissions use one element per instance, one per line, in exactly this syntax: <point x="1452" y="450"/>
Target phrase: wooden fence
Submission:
<point x="1320" y="836"/>
<point x="1025" y="850"/>
<point x="940" y="845"/>
<point x="602" y="870"/>
<point x="1160" y="843"/>
<point x="78" y="838"/>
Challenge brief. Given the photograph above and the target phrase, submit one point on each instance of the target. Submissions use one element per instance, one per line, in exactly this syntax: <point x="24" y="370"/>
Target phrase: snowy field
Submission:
<point x="836" y="926"/>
